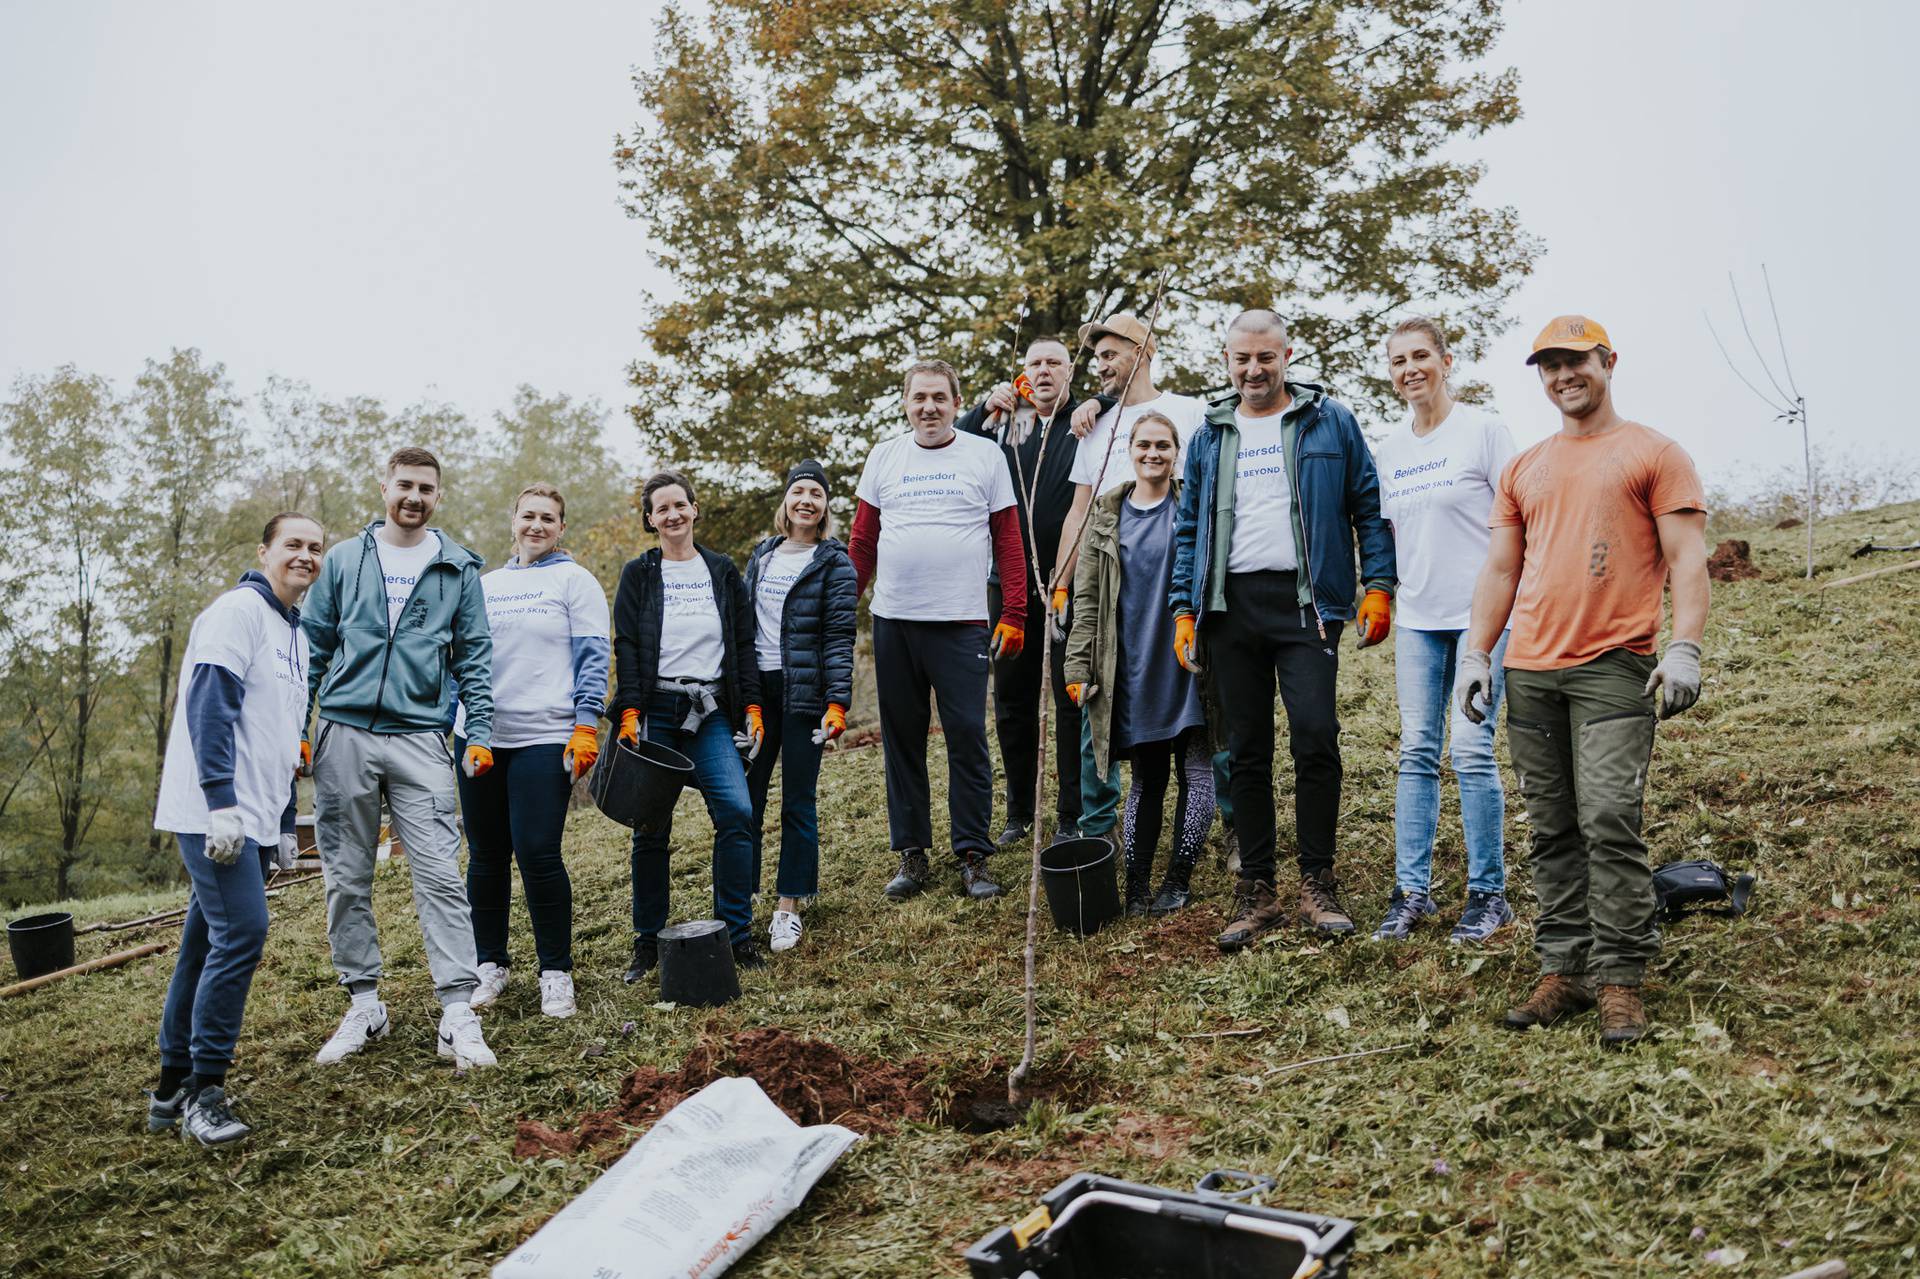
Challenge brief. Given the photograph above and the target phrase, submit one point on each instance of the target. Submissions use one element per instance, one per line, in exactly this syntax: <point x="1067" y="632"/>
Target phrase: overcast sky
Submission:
<point x="411" y="200"/>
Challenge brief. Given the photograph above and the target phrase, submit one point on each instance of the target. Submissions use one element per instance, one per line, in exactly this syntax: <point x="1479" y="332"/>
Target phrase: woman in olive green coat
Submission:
<point x="1141" y="705"/>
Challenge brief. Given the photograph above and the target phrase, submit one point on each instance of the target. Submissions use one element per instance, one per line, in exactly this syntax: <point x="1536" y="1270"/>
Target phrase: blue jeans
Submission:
<point x="1424" y="664"/>
<point x="517" y="811"/>
<point x="789" y="739"/>
<point x="1099" y="796"/>
<point x="220" y="945"/>
<point x="722" y="780"/>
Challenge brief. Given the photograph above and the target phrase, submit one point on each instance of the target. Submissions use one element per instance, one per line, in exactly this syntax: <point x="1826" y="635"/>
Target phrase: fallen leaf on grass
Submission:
<point x="1338" y="1016"/>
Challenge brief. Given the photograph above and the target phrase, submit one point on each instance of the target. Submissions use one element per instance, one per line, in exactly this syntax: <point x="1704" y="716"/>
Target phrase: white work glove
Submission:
<point x="1679" y="675"/>
<point x="289" y="852"/>
<point x="1474" y="684"/>
<point x="1000" y="400"/>
<point x="226" y="836"/>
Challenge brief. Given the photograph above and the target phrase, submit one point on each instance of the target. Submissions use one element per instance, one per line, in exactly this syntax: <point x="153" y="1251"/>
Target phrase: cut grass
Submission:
<point x="1775" y="1115"/>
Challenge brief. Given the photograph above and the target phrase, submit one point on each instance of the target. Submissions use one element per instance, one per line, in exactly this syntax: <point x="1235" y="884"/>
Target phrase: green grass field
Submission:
<point x="1774" y="1121"/>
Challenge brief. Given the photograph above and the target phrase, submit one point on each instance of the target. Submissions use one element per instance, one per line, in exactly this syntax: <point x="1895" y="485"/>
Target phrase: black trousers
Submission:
<point x="947" y="661"/>
<point x="1264" y="637"/>
<point x="1016" y="722"/>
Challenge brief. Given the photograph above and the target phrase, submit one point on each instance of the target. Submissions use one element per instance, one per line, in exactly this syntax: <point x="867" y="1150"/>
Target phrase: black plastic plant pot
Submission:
<point x="1093" y="1227"/>
<point x="41" y="944"/>
<point x="696" y="965"/>
<point x="1082" y="891"/>
<point x="637" y="785"/>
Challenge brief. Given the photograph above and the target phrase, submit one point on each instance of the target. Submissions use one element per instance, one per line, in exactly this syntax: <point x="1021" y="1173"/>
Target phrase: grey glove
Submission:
<point x="1474" y="681"/>
<point x="1679" y="674"/>
<point x="289" y="852"/>
<point x="226" y="836"/>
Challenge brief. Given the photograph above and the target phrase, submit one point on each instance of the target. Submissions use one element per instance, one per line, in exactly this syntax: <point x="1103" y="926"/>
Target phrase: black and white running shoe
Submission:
<point x="210" y="1121"/>
<point x="164" y="1112"/>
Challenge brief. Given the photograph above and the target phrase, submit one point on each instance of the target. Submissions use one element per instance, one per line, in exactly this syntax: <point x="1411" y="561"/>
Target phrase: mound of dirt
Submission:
<point x="810" y="1079"/>
<point x="1731" y="561"/>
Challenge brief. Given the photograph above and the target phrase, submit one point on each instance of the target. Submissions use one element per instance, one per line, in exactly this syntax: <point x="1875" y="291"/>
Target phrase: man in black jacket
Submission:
<point x="1044" y="489"/>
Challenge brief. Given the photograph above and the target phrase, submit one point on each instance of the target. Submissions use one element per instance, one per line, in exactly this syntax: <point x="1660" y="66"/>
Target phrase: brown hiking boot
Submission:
<point x="1320" y="907"/>
<point x="1623" y="1018"/>
<point x="1556" y="998"/>
<point x="1256" y="909"/>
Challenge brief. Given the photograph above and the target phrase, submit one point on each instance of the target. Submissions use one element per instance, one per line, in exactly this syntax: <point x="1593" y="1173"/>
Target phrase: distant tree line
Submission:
<point x="122" y="514"/>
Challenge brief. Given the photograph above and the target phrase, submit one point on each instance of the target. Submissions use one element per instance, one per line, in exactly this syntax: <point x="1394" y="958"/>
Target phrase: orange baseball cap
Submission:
<point x="1570" y="333"/>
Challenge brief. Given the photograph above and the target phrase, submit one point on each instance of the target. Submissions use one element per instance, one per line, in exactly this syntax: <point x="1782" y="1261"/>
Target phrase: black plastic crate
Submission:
<point x="1094" y="1227"/>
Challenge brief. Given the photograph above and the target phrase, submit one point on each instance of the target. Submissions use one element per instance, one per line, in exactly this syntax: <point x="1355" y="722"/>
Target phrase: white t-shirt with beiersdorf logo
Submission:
<point x="401" y="566"/>
<point x="536" y="613"/>
<point x="935" y="547"/>
<point x="778" y="572"/>
<point x="243" y="633"/>
<point x="1109" y="439"/>
<point x="1438" y="492"/>
<point x="1262" y="500"/>
<point x="691" y="643"/>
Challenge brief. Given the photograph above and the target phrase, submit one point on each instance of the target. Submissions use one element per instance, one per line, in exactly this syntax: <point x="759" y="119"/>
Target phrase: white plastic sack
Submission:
<point x="711" y="1177"/>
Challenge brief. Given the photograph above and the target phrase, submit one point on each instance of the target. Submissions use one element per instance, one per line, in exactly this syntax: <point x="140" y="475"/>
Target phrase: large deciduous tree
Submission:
<point x="835" y="184"/>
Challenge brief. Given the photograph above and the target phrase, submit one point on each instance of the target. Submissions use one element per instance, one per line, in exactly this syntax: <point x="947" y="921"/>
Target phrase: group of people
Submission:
<point x="1192" y="560"/>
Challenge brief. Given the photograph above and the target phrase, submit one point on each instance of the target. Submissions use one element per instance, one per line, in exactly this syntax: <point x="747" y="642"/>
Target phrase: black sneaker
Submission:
<point x="208" y="1119"/>
<point x="164" y="1112"/>
<point x="646" y="958"/>
<point x="1173" y="895"/>
<point x="748" y="955"/>
<point x="1016" y="832"/>
<point x="975" y="882"/>
<point x="912" y="879"/>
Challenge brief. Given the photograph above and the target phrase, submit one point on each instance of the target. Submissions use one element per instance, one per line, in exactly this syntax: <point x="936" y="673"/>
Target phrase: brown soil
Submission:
<point x="810" y="1079"/>
<point x="1792" y="521"/>
<point x="1731" y="561"/>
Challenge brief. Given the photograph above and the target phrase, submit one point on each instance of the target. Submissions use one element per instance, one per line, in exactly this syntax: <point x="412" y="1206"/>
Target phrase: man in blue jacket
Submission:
<point x="393" y="613"/>
<point x="1279" y="484"/>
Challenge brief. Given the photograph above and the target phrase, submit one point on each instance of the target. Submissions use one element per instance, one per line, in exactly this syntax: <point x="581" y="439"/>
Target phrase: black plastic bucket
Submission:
<point x="696" y="965"/>
<point x="41" y="944"/>
<point x="638" y="785"/>
<point x="1082" y="891"/>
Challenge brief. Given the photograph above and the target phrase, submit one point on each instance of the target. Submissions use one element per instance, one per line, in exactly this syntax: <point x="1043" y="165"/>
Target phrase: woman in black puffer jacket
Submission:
<point x="804" y="593"/>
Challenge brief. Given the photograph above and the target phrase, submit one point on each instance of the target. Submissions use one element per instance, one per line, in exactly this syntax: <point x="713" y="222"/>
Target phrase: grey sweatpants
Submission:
<point x="351" y="767"/>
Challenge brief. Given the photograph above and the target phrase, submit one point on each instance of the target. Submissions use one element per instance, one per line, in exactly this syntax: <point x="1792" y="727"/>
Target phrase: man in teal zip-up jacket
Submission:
<point x="1279" y="486"/>
<point x="394" y="614"/>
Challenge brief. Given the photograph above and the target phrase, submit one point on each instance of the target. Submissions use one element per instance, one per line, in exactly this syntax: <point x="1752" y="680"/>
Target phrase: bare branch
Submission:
<point x="1778" y="408"/>
<point x="1764" y="367"/>
<point x="1778" y="333"/>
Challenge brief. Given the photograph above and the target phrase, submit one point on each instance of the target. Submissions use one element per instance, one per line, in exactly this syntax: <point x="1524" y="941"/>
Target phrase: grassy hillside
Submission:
<point x="1775" y="1121"/>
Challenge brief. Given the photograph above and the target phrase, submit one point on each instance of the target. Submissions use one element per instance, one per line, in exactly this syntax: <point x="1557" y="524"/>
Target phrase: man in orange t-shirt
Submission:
<point x="1588" y="527"/>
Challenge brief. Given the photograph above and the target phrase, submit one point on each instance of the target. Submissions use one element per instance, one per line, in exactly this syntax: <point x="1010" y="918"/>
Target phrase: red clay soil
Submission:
<point x="810" y="1079"/>
<point x="1731" y="561"/>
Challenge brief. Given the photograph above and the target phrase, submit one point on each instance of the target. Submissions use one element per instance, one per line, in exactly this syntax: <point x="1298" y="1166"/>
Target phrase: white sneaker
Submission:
<point x="362" y="1022"/>
<point x="556" y="994"/>
<point x="784" y="934"/>
<point x="461" y="1040"/>
<point x="493" y="980"/>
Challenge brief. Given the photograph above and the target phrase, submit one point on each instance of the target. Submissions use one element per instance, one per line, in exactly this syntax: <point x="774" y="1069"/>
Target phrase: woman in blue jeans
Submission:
<point x="685" y="675"/>
<point x="804" y="594"/>
<point x="226" y="794"/>
<point x="549" y="621"/>
<point x="1437" y="478"/>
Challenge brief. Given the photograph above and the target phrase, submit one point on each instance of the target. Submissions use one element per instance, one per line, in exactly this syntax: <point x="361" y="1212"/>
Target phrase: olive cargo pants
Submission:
<point x="1581" y="739"/>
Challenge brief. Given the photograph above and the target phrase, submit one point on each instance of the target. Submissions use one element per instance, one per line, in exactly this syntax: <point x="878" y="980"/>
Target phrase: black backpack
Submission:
<point x="1699" y="887"/>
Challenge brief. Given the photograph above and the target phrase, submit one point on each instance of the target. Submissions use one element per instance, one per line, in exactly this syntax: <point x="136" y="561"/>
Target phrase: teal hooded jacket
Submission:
<point x="397" y="681"/>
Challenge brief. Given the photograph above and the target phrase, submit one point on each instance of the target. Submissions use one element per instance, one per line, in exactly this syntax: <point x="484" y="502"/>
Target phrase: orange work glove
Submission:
<point x="1376" y="617"/>
<point x="305" y="767"/>
<point x="1184" y="643"/>
<point x="832" y="724"/>
<point x="1081" y="694"/>
<point x="1007" y="641"/>
<point x="582" y="749"/>
<point x="630" y="727"/>
<point x="479" y="759"/>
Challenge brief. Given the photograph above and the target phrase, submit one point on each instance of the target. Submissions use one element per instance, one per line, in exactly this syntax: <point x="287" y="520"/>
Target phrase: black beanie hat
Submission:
<point x="809" y="470"/>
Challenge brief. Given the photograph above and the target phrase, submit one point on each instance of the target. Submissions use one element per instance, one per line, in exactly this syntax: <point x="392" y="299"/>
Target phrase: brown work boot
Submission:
<point x="1256" y="909"/>
<point x="1320" y="907"/>
<point x="1556" y="998"/>
<point x="1623" y="1018"/>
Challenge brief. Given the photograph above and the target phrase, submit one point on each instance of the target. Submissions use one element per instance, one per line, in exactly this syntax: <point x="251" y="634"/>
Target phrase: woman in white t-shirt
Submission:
<point x="685" y="674"/>
<point x="804" y="594"/>
<point x="1437" y="478"/>
<point x="227" y="796"/>
<point x="551" y="652"/>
